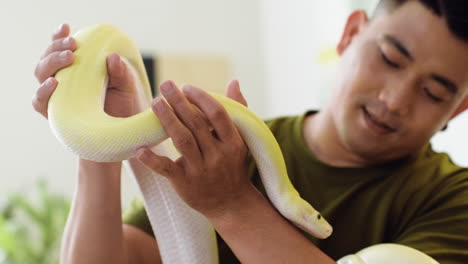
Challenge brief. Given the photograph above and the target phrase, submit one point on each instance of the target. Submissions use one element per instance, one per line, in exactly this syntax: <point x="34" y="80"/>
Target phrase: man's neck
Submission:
<point x="323" y="141"/>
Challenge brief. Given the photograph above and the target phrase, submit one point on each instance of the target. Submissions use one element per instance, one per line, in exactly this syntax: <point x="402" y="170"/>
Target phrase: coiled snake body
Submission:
<point x="78" y="120"/>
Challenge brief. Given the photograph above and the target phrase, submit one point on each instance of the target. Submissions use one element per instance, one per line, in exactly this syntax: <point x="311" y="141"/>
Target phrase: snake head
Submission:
<point x="305" y="217"/>
<point x="311" y="221"/>
<point x="318" y="226"/>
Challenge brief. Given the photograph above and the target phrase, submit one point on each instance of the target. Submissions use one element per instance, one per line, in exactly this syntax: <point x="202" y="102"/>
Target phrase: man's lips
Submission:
<point x="380" y="125"/>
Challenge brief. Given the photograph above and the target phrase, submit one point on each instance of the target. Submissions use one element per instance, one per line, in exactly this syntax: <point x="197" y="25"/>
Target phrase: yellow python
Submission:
<point x="77" y="118"/>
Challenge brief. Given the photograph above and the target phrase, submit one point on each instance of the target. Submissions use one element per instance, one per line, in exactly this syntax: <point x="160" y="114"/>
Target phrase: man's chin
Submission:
<point x="369" y="148"/>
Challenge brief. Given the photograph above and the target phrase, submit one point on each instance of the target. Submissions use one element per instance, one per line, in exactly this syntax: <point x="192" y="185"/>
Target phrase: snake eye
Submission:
<point x="319" y="216"/>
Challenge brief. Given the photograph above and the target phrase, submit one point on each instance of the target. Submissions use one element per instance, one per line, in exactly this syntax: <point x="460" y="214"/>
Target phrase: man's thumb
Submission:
<point x="119" y="76"/>
<point x="233" y="92"/>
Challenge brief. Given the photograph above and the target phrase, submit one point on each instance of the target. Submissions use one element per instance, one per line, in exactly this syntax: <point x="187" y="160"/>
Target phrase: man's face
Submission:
<point x="400" y="79"/>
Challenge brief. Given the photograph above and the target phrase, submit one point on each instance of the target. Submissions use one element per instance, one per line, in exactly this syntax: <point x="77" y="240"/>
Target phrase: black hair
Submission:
<point x="455" y="12"/>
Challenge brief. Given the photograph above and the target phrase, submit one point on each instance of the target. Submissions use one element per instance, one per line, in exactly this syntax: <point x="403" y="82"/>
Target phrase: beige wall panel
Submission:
<point x="208" y="72"/>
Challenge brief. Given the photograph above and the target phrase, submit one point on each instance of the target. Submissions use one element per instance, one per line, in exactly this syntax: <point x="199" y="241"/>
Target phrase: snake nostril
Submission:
<point x="319" y="217"/>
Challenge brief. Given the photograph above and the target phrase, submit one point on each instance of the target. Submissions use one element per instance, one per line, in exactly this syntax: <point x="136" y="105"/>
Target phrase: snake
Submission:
<point x="79" y="122"/>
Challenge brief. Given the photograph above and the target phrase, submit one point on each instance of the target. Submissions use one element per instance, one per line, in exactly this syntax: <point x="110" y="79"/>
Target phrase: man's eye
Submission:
<point x="432" y="96"/>
<point x="389" y="62"/>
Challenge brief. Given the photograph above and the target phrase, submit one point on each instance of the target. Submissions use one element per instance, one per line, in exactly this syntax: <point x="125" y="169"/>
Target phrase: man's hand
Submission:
<point x="211" y="174"/>
<point x="120" y="93"/>
<point x="57" y="56"/>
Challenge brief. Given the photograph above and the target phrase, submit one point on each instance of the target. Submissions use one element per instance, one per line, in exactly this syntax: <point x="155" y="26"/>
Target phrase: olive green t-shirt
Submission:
<point x="420" y="201"/>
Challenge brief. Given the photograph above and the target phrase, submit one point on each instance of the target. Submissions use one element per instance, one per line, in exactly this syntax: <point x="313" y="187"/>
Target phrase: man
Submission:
<point x="364" y="160"/>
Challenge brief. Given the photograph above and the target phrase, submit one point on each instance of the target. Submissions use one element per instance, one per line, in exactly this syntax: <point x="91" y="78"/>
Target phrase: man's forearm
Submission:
<point x="257" y="233"/>
<point x="93" y="233"/>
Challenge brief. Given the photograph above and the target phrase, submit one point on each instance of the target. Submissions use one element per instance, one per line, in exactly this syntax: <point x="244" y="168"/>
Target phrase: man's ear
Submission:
<point x="355" y="24"/>
<point x="462" y="107"/>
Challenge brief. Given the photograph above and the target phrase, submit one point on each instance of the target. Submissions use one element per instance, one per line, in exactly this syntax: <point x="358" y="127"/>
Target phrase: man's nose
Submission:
<point x="398" y="97"/>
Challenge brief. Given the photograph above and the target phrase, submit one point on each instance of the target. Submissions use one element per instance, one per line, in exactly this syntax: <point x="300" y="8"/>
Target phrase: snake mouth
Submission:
<point x="327" y="231"/>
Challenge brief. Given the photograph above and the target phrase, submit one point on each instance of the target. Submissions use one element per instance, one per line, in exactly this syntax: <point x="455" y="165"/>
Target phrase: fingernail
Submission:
<point x="49" y="82"/>
<point x="59" y="29"/>
<point x="167" y="87"/>
<point x="188" y="88"/>
<point x="64" y="54"/>
<point x="66" y="41"/>
<point x="141" y="154"/>
<point x="159" y="105"/>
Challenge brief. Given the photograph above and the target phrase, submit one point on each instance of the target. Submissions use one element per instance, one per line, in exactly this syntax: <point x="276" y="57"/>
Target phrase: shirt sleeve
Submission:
<point x="441" y="228"/>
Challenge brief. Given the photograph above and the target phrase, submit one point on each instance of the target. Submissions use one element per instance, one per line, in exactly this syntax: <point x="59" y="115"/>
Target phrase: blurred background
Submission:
<point x="282" y="52"/>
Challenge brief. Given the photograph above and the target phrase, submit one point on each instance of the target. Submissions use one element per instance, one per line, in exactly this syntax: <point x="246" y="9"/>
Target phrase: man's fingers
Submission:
<point x="214" y="111"/>
<point x="55" y="61"/>
<point x="233" y="91"/>
<point x="62" y="44"/>
<point x="61" y="32"/>
<point x="40" y="100"/>
<point x="190" y="116"/>
<point x="57" y="56"/>
<point x="181" y="136"/>
<point x="159" y="164"/>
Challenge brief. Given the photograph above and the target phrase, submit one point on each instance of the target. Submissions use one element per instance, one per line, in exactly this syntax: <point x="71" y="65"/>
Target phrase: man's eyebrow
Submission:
<point x="399" y="46"/>
<point x="448" y="84"/>
<point x="445" y="82"/>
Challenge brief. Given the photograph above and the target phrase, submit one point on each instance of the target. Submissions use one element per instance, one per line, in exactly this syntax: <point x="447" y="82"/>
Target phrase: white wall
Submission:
<point x="224" y="28"/>
<point x="294" y="34"/>
<point x="454" y="140"/>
